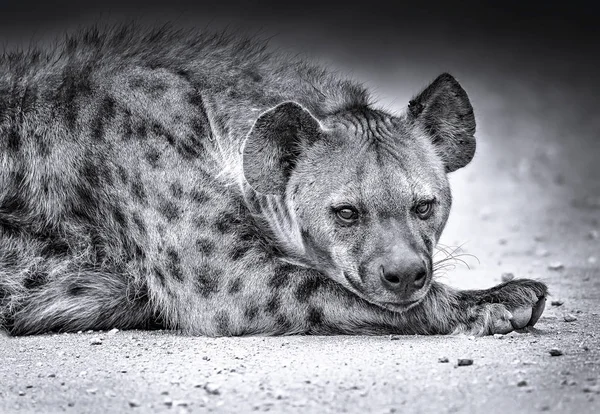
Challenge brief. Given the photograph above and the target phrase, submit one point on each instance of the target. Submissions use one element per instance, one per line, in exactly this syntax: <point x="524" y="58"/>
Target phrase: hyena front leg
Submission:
<point x="501" y="309"/>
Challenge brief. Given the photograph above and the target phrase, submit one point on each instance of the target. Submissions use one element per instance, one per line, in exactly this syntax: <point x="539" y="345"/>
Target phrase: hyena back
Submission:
<point x="198" y="182"/>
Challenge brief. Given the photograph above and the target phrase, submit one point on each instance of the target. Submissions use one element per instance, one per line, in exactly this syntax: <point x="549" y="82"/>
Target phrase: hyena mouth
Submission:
<point x="396" y="306"/>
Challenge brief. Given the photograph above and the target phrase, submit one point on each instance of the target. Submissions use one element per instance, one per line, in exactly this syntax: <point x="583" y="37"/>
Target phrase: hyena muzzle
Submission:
<point x="158" y="178"/>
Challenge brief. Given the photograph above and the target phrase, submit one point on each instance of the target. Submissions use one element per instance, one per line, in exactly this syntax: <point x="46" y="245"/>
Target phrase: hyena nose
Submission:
<point x="405" y="278"/>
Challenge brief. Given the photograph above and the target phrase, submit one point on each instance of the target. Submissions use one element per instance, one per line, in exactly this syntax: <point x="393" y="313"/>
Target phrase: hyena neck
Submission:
<point x="278" y="224"/>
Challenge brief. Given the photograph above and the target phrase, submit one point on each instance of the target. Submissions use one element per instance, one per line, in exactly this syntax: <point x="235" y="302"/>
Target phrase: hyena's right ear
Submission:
<point x="444" y="112"/>
<point x="277" y="139"/>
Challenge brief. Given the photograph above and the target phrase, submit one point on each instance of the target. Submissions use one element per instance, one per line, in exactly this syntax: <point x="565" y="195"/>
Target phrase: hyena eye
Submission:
<point x="347" y="214"/>
<point x="424" y="209"/>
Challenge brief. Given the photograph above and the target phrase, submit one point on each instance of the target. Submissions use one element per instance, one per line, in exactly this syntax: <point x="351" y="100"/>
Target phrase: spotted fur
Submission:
<point x="163" y="178"/>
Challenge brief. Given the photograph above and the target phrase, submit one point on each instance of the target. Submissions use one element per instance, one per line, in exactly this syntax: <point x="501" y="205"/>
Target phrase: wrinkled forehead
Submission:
<point x="389" y="162"/>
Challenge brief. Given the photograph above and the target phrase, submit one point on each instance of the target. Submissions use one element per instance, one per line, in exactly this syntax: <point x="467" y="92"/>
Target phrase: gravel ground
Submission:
<point x="527" y="206"/>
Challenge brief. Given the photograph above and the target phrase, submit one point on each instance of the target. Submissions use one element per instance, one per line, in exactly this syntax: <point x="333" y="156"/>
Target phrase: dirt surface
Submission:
<point x="528" y="205"/>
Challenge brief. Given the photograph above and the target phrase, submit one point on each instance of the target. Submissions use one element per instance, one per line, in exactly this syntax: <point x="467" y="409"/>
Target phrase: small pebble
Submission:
<point x="443" y="360"/>
<point x="394" y="337"/>
<point x="498" y="336"/>
<point x="96" y="341"/>
<point x="463" y="362"/>
<point x="592" y="260"/>
<point x="555" y="352"/>
<point x="507" y="277"/>
<point x="211" y="389"/>
<point x="557" y="303"/>
<point x="556" y="266"/>
<point x="593" y="235"/>
<point x="134" y="403"/>
<point x="522" y="383"/>
<point x="113" y="331"/>
<point x="569" y="318"/>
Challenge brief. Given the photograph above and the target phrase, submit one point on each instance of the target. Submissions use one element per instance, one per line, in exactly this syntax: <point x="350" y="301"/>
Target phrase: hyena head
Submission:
<point x="361" y="196"/>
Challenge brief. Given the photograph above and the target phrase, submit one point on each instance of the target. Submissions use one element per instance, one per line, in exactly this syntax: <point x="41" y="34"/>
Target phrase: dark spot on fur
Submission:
<point x="273" y="305"/>
<point x="281" y="276"/>
<point x="195" y="99"/>
<point x="207" y="280"/>
<point x="35" y="280"/>
<point x="123" y="175"/>
<point x="54" y="246"/>
<point x="254" y="75"/>
<point x="141" y="131"/>
<point x="13" y="142"/>
<point x="174" y="264"/>
<point x="75" y="289"/>
<point x="198" y="127"/>
<point x="185" y="74"/>
<point x="169" y="210"/>
<point x="223" y="322"/>
<point x="106" y="113"/>
<point x="127" y="128"/>
<point x="226" y="222"/>
<point x="153" y="157"/>
<point x="235" y="286"/>
<point x="119" y="216"/>
<point x="199" y="196"/>
<point x="200" y="222"/>
<point x="138" y="252"/>
<point x="156" y="88"/>
<point x="136" y="82"/>
<point x="90" y="173"/>
<point x="205" y="246"/>
<point x="308" y="287"/>
<point x="137" y="189"/>
<point x="159" y="131"/>
<point x="187" y="151"/>
<point x="176" y="190"/>
<point x="315" y="316"/>
<point x="283" y="323"/>
<point x="76" y="82"/>
<point x="251" y="312"/>
<point x="240" y="250"/>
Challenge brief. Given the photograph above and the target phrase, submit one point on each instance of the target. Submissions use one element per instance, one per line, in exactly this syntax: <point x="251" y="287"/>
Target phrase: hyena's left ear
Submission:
<point x="444" y="112"/>
<point x="273" y="146"/>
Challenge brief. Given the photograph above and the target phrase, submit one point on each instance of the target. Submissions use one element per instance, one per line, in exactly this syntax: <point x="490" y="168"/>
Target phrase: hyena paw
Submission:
<point x="511" y="305"/>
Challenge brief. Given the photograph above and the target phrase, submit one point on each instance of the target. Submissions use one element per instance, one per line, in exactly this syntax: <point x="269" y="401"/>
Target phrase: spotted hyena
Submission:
<point x="156" y="178"/>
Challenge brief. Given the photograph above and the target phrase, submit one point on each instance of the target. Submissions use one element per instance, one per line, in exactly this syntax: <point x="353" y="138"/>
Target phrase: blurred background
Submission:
<point x="532" y="192"/>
